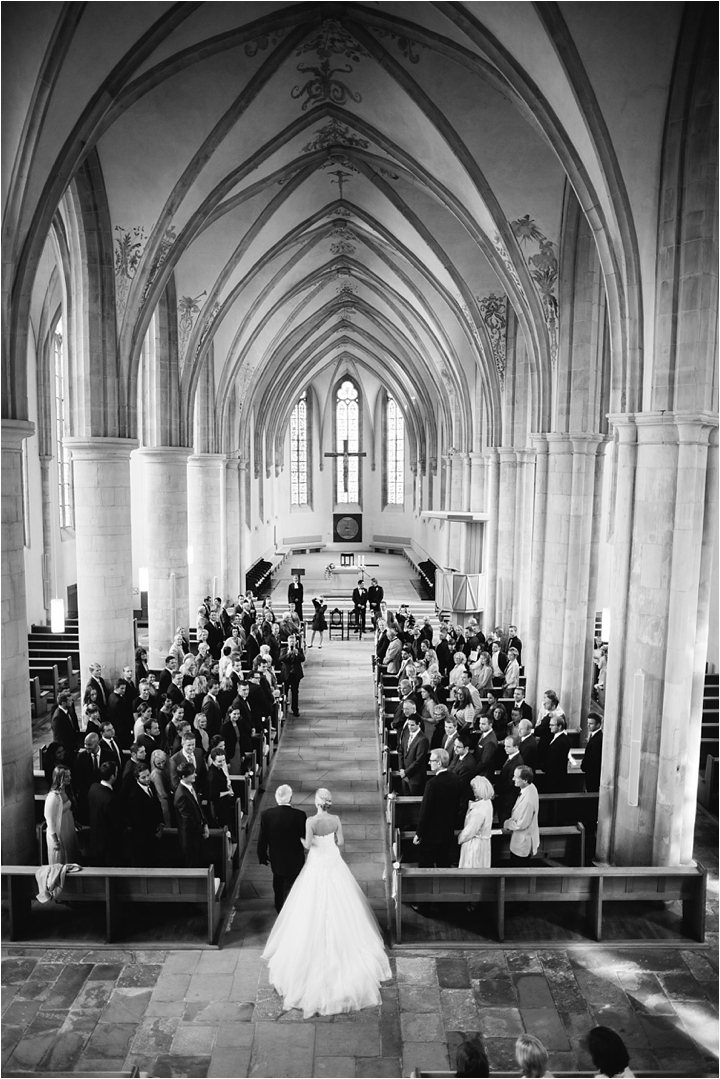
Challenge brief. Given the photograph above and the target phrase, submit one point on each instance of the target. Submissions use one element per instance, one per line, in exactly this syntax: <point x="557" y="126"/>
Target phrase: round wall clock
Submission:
<point x="347" y="528"/>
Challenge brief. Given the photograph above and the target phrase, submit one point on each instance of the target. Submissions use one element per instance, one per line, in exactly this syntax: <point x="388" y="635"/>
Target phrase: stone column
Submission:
<point x="654" y="699"/>
<point x="103" y="546"/>
<point x="477" y="483"/>
<point x="206" y="491"/>
<point x="51" y="584"/>
<point x="464" y="529"/>
<point x="18" y="833"/>
<point x="166" y="516"/>
<point x="531" y="648"/>
<point x="507" y="495"/>
<point x="492" y="467"/>
<point x="520" y="612"/>
<point x="243" y="465"/>
<point x="232" y="529"/>
<point x="557" y="535"/>
<point x="577" y="636"/>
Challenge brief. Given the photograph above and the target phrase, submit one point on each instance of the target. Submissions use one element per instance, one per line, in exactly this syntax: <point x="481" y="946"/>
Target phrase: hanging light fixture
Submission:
<point x="57" y="615"/>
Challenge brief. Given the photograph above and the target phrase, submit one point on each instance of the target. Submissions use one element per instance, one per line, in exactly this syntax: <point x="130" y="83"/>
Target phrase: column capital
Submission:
<point x="232" y="463"/>
<point x="100" y="449"/>
<point x="539" y="442"/>
<point x="491" y="453"/>
<point x="507" y="454"/>
<point x="198" y="459"/>
<point x="166" y="453"/>
<point x="14" y="433"/>
<point x="672" y="428"/>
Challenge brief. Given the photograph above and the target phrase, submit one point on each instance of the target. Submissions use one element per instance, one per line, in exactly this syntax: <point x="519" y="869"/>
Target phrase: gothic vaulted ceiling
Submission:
<point x="319" y="181"/>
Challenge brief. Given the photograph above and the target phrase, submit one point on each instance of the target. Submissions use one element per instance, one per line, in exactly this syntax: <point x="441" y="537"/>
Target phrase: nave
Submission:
<point x="205" y="1012"/>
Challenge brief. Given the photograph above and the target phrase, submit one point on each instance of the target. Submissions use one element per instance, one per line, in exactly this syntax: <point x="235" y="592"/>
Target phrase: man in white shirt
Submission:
<point x="523" y="824"/>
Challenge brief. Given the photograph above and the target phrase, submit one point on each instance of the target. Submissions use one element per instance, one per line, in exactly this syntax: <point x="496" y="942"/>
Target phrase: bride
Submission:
<point x="325" y="951"/>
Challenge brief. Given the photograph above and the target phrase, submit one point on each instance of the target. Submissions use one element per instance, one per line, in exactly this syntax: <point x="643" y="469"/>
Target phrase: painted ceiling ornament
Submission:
<point x="405" y="44"/>
<point x="188" y="311"/>
<point x="543" y="266"/>
<point x="335" y="133"/>
<point x="493" y="309"/>
<point x="324" y="86"/>
<point x="129" y="244"/>
<point x="341" y="178"/>
<point x="332" y="39"/>
<point x="341" y="211"/>
<point x="212" y="316"/>
<point x="252" y="48"/>
<point x="350" y="291"/>
<point x="343" y="247"/>
<point x="165" y="246"/>
<point x="509" y="266"/>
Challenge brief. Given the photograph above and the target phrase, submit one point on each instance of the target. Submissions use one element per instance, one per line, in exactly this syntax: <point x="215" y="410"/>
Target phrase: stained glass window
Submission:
<point x="66" y="497"/>
<point x="347" y="428"/>
<point x="299" y="454"/>
<point x="395" y="448"/>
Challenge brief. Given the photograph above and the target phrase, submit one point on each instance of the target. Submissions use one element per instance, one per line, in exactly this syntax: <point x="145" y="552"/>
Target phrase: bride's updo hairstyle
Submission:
<point x="323" y="798"/>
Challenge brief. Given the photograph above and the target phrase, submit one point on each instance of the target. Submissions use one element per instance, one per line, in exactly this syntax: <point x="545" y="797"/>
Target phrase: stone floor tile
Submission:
<point x="600" y="988"/>
<point x="662" y="1031"/>
<point x="126" y="1006"/>
<point x="681" y="986"/>
<point x="523" y="962"/>
<point x="47" y="1022"/>
<point x="28" y="1053"/>
<point x="487" y="964"/>
<point x="193" y="1039"/>
<point x="699" y="966"/>
<point x="11" y="1036"/>
<point x="494" y="992"/>
<point x="700" y="1021"/>
<point x="139" y="975"/>
<point x="9" y="992"/>
<point x="343" y="1038"/>
<point x="415" y="971"/>
<point x="40" y="982"/>
<point x="19" y="1013"/>
<point x="15" y="971"/>
<point x="230" y="1063"/>
<point x="428" y="1056"/>
<point x="153" y="956"/>
<point x="105" y="972"/>
<point x="81" y="1022"/>
<point x="110" y="1040"/>
<point x="644" y="992"/>
<point x="218" y="1011"/>
<point x="500" y="1022"/>
<point x="234" y="1036"/>
<point x="459" y="1009"/>
<point x="116" y="956"/>
<point x="188" y="1067"/>
<point x="66" y="987"/>
<point x="65" y="1052"/>
<point x="209" y="987"/>
<point x="422" y="1028"/>
<point x="94" y="995"/>
<point x="533" y="991"/>
<point x="154" y="1036"/>
<point x="283" y="1051"/>
<point x="184" y="962"/>
<point x="377" y="1067"/>
<point x="171" y="987"/>
<point x="92" y="1067"/>
<point x="545" y="1024"/>
<point x="625" y="1020"/>
<point x="165" y="1009"/>
<point x="218" y="962"/>
<point x="334" y="1067"/>
<point x="501" y="1053"/>
<point x="453" y="974"/>
<point x="418" y="998"/>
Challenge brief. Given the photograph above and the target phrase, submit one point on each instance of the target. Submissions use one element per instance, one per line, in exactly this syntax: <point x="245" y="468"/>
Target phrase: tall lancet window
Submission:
<point x="395" y="453"/>
<point x="299" y="453"/>
<point x="66" y="496"/>
<point x="347" y="441"/>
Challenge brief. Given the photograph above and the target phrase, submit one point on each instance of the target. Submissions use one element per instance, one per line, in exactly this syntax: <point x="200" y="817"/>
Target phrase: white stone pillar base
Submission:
<point x="232" y="529"/>
<point x="206" y="496"/>
<point x="103" y="545"/>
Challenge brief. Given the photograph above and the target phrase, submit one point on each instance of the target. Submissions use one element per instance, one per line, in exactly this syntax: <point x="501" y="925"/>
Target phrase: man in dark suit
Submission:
<point x="63" y="728"/>
<point x="193" y="828"/>
<point x="506" y="793"/>
<point x="236" y="732"/>
<point x="464" y="766"/>
<point x="444" y="651"/>
<point x="486" y="749"/>
<point x="528" y="745"/>
<point x="592" y="758"/>
<point x="211" y="709"/>
<point x="106" y="830"/>
<point x="85" y="772"/>
<point x="375" y="598"/>
<point x="282" y="830"/>
<point x="166" y="674"/>
<point x="407" y="696"/>
<point x="145" y="816"/>
<point x="499" y="662"/>
<point x="522" y="705"/>
<point x="220" y="794"/>
<point x="109" y="749"/>
<point x="296" y="593"/>
<point x="150" y="738"/>
<point x="435" y="835"/>
<point x="188" y="754"/>
<point x="97" y="683"/>
<point x="556" y="759"/>
<point x="513" y="641"/>
<point x="119" y="712"/>
<point x="360" y="600"/>
<point x="413" y="753"/>
<point x="291" y="661"/>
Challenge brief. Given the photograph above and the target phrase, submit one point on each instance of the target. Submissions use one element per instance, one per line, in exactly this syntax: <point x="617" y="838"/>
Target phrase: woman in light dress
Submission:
<point x="325" y="952"/>
<point x="61" y="836"/>
<point x="474" y="839"/>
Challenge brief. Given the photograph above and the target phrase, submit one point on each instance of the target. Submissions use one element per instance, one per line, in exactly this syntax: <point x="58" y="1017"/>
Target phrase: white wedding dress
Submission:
<point x="325" y="951"/>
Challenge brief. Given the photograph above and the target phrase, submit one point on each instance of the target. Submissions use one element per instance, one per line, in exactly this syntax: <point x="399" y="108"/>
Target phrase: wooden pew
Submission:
<point x="39" y="697"/>
<point x="591" y="885"/>
<point x="565" y="845"/>
<point x="49" y="679"/>
<point x="115" y="887"/>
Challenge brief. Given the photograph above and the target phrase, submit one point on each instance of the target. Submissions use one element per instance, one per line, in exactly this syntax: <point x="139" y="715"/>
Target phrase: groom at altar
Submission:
<point x="282" y="830"/>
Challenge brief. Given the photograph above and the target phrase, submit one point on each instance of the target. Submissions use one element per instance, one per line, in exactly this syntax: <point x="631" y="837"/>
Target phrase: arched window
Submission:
<point x="394" y="453"/>
<point x="347" y="441"/>
<point x="66" y="496"/>
<point x="299" y="453"/>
